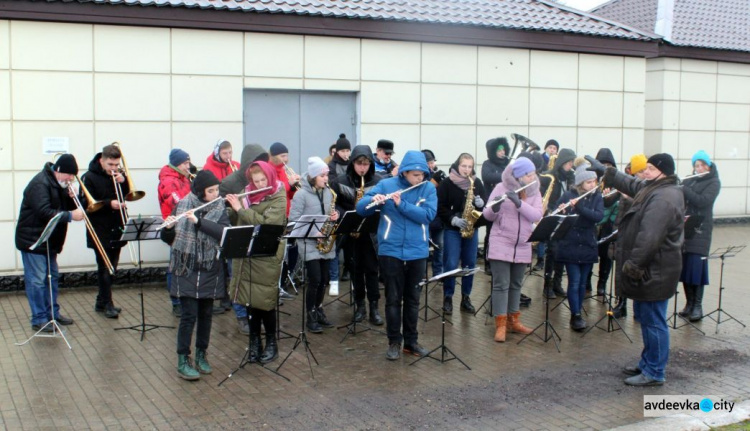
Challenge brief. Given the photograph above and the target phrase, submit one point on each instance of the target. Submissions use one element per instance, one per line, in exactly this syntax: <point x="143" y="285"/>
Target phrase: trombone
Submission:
<point x="90" y="227"/>
<point x="133" y="194"/>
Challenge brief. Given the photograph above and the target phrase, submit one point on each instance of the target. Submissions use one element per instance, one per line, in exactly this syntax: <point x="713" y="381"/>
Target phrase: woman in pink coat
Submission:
<point x="509" y="253"/>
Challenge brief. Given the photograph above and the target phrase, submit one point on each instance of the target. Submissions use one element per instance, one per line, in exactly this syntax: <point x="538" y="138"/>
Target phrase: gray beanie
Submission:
<point x="316" y="166"/>
<point x="582" y="174"/>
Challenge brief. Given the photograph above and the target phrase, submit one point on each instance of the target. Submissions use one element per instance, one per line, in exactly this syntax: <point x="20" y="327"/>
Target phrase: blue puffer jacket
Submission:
<point x="580" y="244"/>
<point x="403" y="232"/>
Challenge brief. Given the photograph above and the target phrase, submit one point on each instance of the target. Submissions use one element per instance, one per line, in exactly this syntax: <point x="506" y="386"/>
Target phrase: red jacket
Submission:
<point x="173" y="186"/>
<point x="220" y="169"/>
<point x="281" y="173"/>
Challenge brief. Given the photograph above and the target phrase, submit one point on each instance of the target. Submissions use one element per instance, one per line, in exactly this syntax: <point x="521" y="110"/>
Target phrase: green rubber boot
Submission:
<point x="185" y="368"/>
<point x="201" y="363"/>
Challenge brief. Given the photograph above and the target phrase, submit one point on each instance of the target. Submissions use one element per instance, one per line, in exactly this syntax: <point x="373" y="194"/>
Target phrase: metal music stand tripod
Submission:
<point x="56" y="330"/>
<point x="353" y="223"/>
<point x="248" y="242"/>
<point x="550" y="228"/>
<point x="444" y="350"/>
<point x="141" y="229"/>
<point x="308" y="226"/>
<point x="609" y="314"/>
<point x="722" y="254"/>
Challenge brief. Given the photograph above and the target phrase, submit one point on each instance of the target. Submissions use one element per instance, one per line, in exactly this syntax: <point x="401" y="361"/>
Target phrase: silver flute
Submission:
<point x="390" y="195"/>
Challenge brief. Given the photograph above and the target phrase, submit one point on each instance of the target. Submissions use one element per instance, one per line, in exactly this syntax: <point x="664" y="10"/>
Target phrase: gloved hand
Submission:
<point x="513" y="197"/>
<point x="459" y="222"/>
<point x="596" y="166"/>
<point x="478" y="202"/>
<point x="632" y="271"/>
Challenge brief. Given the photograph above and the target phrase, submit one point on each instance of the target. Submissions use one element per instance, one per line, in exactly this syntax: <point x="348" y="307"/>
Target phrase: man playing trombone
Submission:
<point x="46" y="195"/>
<point x="100" y="183"/>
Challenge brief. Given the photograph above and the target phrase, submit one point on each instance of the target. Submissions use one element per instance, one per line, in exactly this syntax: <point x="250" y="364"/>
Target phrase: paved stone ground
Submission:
<point x="110" y="379"/>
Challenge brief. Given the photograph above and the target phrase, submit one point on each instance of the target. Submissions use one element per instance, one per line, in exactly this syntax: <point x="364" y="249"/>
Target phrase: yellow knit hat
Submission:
<point x="638" y="163"/>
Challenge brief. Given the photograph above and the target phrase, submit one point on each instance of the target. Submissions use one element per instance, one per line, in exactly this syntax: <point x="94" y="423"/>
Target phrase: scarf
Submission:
<point x="649" y="188"/>
<point x="191" y="246"/>
<point x="459" y="180"/>
<point x="272" y="177"/>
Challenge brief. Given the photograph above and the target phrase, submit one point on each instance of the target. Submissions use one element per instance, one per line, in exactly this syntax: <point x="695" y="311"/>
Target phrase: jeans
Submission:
<point x="507" y="279"/>
<point x="365" y="270"/>
<point x="317" y="279"/>
<point x="402" y="280"/>
<point x="240" y="311"/>
<point x="455" y="248"/>
<point x="436" y="235"/>
<point x="577" y="277"/>
<point x="104" y="277"/>
<point x="541" y="247"/>
<point x="193" y="310"/>
<point x="37" y="289"/>
<point x="655" y="332"/>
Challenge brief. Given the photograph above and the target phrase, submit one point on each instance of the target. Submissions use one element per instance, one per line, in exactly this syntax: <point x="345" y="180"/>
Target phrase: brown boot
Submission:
<point x="500" y="324"/>
<point x="515" y="325"/>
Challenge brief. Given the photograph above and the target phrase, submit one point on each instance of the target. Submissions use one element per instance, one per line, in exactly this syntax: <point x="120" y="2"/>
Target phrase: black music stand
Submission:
<point x="142" y="229"/>
<point x="444" y="350"/>
<point x="248" y="242"/>
<point x="550" y="228"/>
<point x="353" y="223"/>
<point x="56" y="330"/>
<point x="307" y="227"/>
<point x="609" y="314"/>
<point x="723" y="253"/>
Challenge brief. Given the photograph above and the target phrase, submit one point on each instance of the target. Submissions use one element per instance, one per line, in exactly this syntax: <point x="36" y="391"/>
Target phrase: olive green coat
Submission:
<point x="255" y="281"/>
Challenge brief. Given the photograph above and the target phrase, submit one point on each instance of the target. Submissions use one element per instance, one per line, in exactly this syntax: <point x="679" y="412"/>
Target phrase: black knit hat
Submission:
<point x="663" y="162"/>
<point x="386" y="145"/>
<point x="342" y="143"/>
<point x="202" y="181"/>
<point x="552" y="142"/>
<point x="66" y="164"/>
<point x="278" y="148"/>
<point x="429" y="155"/>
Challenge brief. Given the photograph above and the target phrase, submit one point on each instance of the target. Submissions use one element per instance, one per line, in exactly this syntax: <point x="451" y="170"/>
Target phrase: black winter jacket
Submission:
<point x="337" y="166"/>
<point x="650" y="237"/>
<point x="106" y="221"/>
<point x="493" y="167"/>
<point x="347" y="184"/>
<point x="563" y="180"/>
<point x="580" y="244"/>
<point x="451" y="200"/>
<point x="700" y="195"/>
<point x="43" y="198"/>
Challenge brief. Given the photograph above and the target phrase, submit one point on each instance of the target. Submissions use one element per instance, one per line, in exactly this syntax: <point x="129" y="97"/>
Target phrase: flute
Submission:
<point x="696" y="175"/>
<point x="502" y="198"/>
<point x="567" y="205"/>
<point x="390" y="195"/>
<point x="183" y="215"/>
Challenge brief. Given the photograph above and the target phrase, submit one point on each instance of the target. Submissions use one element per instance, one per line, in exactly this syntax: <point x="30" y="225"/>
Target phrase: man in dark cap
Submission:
<point x="649" y="256"/>
<point x="550" y="149"/>
<point x="47" y="195"/>
<point x="385" y="167"/>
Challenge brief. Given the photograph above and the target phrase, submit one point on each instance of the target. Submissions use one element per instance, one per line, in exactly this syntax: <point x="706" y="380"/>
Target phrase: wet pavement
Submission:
<point x="112" y="380"/>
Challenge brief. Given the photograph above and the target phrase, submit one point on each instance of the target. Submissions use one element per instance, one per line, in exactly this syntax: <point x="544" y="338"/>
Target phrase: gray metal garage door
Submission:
<point x="307" y="122"/>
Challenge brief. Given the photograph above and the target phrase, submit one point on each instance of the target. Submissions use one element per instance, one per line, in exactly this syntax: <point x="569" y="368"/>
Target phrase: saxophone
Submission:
<point x="548" y="193"/>
<point x="326" y="244"/>
<point x="470" y="214"/>
<point x="360" y="193"/>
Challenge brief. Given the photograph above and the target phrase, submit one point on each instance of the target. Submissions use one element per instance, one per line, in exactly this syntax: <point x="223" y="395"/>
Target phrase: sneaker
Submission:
<point x="102" y="308"/>
<point x="177" y="310"/>
<point x="110" y="312"/>
<point x="283" y="294"/>
<point x="333" y="290"/>
<point x="415" y="349"/>
<point x="539" y="265"/>
<point x="641" y="380"/>
<point x="393" y="352"/>
<point x="243" y="327"/>
<point x="631" y="370"/>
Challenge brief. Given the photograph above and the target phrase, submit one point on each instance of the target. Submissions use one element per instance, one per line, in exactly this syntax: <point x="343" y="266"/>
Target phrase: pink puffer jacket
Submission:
<point x="512" y="226"/>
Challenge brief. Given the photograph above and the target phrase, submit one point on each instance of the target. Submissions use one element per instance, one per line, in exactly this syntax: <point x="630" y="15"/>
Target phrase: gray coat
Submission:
<point x="650" y="237"/>
<point x="700" y="195"/>
<point x="307" y="202"/>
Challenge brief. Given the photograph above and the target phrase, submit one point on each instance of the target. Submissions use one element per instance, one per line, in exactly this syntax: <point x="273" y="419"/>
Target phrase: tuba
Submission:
<point x="470" y="214"/>
<point x="360" y="193"/>
<point x="527" y="145"/>
<point x="326" y="244"/>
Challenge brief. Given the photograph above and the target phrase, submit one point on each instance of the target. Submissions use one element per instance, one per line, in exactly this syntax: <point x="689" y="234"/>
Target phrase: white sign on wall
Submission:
<point x="53" y="145"/>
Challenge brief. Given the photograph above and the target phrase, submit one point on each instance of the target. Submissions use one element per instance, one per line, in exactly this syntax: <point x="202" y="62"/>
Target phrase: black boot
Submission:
<point x="525" y="300"/>
<point x="359" y="312"/>
<point x="557" y="286"/>
<point x="312" y="322"/>
<point x="323" y="319"/>
<point x="271" y="351"/>
<point x="448" y="305"/>
<point x="696" y="313"/>
<point x="466" y="305"/>
<point x="689" y="300"/>
<point x="621" y="309"/>
<point x="375" y="318"/>
<point x="589" y="289"/>
<point x="255" y="348"/>
<point x="601" y="287"/>
<point x="548" y="293"/>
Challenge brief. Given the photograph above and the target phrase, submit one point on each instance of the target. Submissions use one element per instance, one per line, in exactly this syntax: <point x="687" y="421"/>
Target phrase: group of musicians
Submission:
<point x="419" y="205"/>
